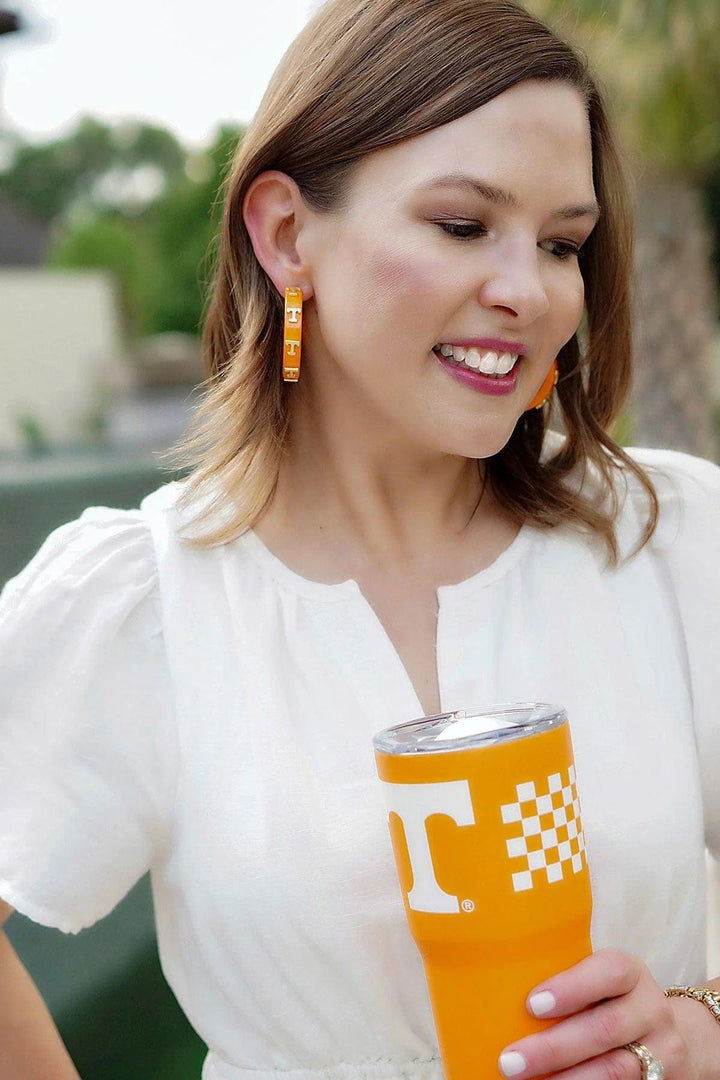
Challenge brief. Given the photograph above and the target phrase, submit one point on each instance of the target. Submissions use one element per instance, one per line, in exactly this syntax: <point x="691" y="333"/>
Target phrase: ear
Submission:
<point x="274" y="212"/>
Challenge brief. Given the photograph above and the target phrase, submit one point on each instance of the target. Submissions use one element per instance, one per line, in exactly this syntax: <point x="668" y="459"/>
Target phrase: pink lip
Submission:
<point x="494" y="385"/>
<point x="515" y="347"/>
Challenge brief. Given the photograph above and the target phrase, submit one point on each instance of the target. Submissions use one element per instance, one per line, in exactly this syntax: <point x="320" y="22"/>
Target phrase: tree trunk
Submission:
<point x="675" y="321"/>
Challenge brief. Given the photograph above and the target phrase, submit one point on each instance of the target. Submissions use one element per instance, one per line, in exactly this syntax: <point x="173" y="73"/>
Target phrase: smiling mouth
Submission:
<point x="486" y="361"/>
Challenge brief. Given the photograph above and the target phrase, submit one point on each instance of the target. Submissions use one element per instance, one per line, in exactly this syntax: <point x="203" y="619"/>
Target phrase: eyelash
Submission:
<point x="452" y="228"/>
<point x="475" y="229"/>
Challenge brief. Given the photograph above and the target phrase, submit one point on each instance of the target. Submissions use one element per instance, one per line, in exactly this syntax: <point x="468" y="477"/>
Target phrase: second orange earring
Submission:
<point x="292" y="335"/>
<point x="548" y="385"/>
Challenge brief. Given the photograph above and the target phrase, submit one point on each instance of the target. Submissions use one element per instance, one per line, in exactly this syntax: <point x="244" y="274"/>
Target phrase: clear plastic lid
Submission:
<point x="465" y="728"/>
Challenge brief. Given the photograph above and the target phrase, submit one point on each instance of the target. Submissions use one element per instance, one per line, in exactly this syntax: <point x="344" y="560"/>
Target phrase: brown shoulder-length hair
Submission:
<point x="365" y="74"/>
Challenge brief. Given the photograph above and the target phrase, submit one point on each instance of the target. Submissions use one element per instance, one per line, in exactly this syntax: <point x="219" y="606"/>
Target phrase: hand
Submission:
<point x="608" y="1000"/>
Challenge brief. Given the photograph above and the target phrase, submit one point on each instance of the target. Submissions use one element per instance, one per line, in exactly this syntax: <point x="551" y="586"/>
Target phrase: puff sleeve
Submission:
<point x="687" y="544"/>
<point x="87" y="749"/>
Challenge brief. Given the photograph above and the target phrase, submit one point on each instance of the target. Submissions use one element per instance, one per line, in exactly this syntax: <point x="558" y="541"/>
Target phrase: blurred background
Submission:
<point x="117" y="123"/>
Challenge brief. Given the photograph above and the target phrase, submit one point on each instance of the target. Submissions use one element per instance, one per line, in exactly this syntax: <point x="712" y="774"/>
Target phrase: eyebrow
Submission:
<point x="500" y="197"/>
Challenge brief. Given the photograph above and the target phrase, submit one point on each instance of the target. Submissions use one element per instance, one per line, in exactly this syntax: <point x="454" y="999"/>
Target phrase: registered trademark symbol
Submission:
<point x="468" y="905"/>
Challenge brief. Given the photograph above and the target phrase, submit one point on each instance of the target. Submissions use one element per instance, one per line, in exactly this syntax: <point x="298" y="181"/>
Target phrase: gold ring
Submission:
<point x="652" y="1069"/>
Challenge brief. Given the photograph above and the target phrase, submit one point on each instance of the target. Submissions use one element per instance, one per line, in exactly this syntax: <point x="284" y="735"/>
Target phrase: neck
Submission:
<point x="369" y="486"/>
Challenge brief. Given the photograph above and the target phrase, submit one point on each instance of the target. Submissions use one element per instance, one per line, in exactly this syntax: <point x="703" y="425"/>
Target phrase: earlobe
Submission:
<point x="273" y="210"/>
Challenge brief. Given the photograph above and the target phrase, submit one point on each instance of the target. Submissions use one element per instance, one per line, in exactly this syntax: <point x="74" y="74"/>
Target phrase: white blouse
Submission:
<point x="208" y="714"/>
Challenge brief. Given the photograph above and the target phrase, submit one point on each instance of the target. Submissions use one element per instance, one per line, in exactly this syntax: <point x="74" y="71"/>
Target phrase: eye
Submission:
<point x="463" y="230"/>
<point x="562" y="249"/>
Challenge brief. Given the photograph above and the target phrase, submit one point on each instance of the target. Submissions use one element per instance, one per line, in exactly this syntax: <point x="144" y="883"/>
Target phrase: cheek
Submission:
<point x="399" y="276"/>
<point x="570" y="307"/>
<point x="579" y="309"/>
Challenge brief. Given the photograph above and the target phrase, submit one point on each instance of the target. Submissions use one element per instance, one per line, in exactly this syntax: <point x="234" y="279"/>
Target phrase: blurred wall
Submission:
<point x="58" y="331"/>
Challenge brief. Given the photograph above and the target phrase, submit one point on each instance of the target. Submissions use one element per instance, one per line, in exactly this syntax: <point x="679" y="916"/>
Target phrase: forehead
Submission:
<point x="536" y="134"/>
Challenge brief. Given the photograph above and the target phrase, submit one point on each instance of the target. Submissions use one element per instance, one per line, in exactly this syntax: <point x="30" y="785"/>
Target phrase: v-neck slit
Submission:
<point x="375" y="654"/>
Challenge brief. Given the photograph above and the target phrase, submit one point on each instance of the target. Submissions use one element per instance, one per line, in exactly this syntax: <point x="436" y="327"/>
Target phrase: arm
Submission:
<point x="700" y="1029"/>
<point x="31" y="1045"/>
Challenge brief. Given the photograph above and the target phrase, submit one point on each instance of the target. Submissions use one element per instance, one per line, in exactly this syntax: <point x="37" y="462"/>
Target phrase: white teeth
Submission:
<point x="488" y="361"/>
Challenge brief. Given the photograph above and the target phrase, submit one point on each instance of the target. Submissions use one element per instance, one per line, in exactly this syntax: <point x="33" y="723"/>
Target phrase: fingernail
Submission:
<point x="512" y="1063"/>
<point x="541" y="1003"/>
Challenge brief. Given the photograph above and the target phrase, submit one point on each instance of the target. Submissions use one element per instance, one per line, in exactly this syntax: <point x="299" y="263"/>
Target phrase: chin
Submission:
<point x="482" y="445"/>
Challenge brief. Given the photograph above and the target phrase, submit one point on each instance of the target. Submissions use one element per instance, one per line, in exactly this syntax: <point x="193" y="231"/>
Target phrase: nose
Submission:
<point x="514" y="283"/>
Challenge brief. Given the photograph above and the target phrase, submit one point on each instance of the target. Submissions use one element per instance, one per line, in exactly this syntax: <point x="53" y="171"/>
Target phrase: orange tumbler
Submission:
<point x="486" y="829"/>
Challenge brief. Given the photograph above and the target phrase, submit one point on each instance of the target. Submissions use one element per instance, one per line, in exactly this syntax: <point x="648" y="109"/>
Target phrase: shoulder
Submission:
<point x="106" y="556"/>
<point x="88" y="737"/>
<point x="676" y="474"/>
<point x="688" y="491"/>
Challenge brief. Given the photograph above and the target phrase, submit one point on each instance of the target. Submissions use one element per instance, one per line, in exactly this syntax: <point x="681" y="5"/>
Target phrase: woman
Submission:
<point x="389" y="532"/>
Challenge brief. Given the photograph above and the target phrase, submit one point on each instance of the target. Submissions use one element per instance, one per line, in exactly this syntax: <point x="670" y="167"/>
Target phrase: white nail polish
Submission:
<point x="512" y="1063"/>
<point x="542" y="1003"/>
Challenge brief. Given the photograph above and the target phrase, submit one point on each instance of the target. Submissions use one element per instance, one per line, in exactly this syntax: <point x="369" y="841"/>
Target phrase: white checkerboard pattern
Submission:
<point x="551" y="841"/>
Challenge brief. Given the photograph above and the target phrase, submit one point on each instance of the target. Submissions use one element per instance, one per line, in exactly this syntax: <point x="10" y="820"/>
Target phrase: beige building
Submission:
<point x="59" y="331"/>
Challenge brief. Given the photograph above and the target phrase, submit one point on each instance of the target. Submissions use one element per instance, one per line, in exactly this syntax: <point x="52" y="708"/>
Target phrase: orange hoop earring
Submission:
<point x="548" y="385"/>
<point x="292" y="335"/>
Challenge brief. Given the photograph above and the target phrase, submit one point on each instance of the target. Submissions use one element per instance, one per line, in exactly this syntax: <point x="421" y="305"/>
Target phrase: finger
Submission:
<point x="590" y="1034"/>
<point x="619" y="1064"/>
<point x="606" y="974"/>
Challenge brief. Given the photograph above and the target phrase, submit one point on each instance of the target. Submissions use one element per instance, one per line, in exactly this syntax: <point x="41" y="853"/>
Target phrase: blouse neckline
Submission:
<point x="251" y="543"/>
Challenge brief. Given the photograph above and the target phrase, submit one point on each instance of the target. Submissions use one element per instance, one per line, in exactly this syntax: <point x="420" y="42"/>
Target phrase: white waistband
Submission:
<point x="422" y="1069"/>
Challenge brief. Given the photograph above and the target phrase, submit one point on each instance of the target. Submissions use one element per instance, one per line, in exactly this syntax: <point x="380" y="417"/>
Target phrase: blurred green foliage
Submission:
<point x="132" y="199"/>
<point x="112" y="242"/>
<point x="54" y="178"/>
<point x="659" y="63"/>
<point x="660" y="60"/>
<point x="622" y="431"/>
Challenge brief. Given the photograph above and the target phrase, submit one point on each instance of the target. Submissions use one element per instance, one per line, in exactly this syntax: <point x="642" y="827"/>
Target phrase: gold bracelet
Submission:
<point x="709" y="998"/>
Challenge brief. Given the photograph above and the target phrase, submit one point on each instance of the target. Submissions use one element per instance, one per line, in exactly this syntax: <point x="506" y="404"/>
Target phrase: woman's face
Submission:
<point x="445" y="286"/>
